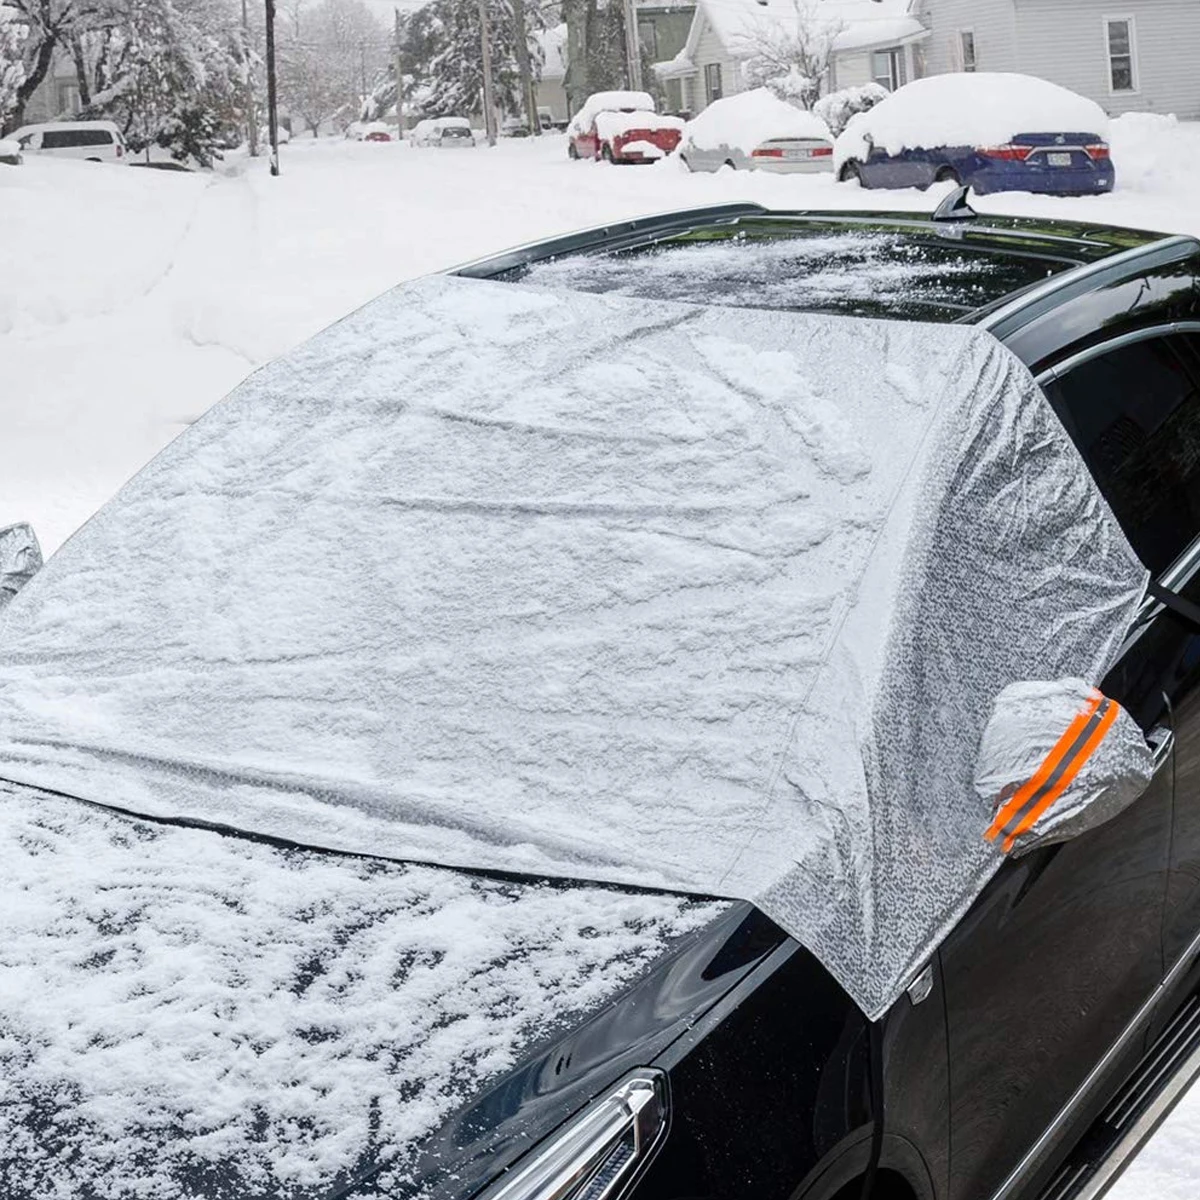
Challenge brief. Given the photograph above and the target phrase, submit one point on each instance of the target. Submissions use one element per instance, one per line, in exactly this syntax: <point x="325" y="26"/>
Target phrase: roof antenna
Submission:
<point x="955" y="206"/>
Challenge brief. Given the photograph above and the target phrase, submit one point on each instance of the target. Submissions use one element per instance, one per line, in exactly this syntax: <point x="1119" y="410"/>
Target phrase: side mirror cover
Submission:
<point x="1057" y="759"/>
<point x="20" y="559"/>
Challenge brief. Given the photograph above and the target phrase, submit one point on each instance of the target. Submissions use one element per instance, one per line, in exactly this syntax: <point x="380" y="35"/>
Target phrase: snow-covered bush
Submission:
<point x="837" y="108"/>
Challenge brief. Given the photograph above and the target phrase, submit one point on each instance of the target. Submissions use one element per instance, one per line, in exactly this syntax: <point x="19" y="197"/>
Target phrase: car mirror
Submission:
<point x="1057" y="759"/>
<point x="20" y="559"/>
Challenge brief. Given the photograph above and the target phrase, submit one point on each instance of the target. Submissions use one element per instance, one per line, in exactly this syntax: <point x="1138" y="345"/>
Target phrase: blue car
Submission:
<point x="996" y="133"/>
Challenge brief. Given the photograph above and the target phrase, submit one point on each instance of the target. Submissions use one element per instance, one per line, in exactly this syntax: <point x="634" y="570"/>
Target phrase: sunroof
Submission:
<point x="814" y="269"/>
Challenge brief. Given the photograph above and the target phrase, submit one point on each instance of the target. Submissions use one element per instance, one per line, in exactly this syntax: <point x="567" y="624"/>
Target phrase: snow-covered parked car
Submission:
<point x="676" y="712"/>
<point x="622" y="127"/>
<point x="756" y="130"/>
<point x="93" y="141"/>
<point x="452" y="133"/>
<point x="995" y="132"/>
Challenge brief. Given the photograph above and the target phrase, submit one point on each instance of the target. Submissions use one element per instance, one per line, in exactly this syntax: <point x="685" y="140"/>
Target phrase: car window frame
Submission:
<point x="1185" y="564"/>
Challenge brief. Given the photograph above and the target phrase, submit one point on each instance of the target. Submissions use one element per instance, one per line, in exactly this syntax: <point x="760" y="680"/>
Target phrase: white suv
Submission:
<point x="95" y="141"/>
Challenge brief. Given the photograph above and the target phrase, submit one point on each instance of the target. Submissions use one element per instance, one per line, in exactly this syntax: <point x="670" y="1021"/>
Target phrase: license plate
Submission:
<point x="1059" y="159"/>
<point x="797" y="154"/>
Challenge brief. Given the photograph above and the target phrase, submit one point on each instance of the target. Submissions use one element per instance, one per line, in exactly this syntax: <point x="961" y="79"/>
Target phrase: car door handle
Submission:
<point x="1162" y="740"/>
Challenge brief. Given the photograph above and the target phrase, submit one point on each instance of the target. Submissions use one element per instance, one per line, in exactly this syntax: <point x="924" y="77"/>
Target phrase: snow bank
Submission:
<point x="1151" y="153"/>
<point x="611" y="125"/>
<point x="964" y="109"/>
<point x="645" y="149"/>
<point x="599" y="102"/>
<point x="744" y="121"/>
<point x="175" y="999"/>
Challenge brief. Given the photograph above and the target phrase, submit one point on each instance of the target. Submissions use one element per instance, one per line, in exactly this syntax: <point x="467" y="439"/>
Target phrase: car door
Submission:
<point x="1148" y="463"/>
<point x="1057" y="962"/>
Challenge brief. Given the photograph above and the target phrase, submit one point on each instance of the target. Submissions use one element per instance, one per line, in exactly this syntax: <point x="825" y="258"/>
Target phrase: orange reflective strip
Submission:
<point x="1072" y="769"/>
<point x="1049" y="765"/>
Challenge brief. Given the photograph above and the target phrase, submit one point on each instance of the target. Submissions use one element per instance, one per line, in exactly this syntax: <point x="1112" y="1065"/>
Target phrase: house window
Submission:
<point x="887" y="68"/>
<point x="712" y="81"/>
<point x="648" y="37"/>
<point x="919" y="66"/>
<point x="1122" y="72"/>
<point x="68" y="97"/>
<point x="966" y="49"/>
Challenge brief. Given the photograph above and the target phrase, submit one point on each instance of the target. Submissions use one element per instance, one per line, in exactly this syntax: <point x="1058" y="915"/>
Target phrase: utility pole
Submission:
<point x="489" y="95"/>
<point x="399" y="79"/>
<point x="362" y="77"/>
<point x="251" y="115"/>
<point x="524" y="69"/>
<point x="272" y="106"/>
<point x="633" y="50"/>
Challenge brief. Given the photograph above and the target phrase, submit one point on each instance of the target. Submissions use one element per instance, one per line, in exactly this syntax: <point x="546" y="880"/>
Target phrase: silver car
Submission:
<point x="756" y="131"/>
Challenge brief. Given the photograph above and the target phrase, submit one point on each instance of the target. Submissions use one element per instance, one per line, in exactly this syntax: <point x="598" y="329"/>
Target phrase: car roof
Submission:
<point x="887" y="264"/>
<point x="42" y="126"/>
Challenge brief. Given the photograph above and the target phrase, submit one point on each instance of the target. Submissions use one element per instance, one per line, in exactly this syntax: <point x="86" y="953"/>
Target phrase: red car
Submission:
<point x="622" y="127"/>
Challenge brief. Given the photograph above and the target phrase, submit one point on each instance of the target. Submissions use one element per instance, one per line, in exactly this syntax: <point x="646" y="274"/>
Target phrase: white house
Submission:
<point x="1124" y="54"/>
<point x="876" y="39"/>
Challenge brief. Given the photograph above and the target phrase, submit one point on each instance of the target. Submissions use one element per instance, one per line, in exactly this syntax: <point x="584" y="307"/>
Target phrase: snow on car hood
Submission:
<point x="175" y="1004"/>
<point x="964" y="109"/>
<point x="593" y="586"/>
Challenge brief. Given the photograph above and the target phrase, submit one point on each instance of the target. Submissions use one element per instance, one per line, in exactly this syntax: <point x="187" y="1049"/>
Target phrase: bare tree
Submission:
<point x="789" y="56"/>
<point x="331" y="58"/>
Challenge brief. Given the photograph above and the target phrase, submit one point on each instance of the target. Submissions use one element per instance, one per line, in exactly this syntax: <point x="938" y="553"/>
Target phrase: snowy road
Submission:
<point x="132" y="300"/>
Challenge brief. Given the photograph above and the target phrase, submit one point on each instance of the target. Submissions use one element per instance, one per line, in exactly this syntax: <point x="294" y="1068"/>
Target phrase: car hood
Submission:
<point x="189" y="1014"/>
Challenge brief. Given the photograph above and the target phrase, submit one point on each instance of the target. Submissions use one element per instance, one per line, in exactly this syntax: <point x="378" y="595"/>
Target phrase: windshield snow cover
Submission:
<point x="591" y="586"/>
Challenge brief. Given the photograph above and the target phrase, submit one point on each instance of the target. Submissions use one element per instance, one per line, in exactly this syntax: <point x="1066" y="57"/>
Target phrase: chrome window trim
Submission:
<point x="1126" y="339"/>
<point x="1118" y="266"/>
<point x="1035" y="1156"/>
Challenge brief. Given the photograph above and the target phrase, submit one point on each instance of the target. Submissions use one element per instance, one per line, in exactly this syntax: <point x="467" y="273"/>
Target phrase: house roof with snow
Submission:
<point x="855" y="25"/>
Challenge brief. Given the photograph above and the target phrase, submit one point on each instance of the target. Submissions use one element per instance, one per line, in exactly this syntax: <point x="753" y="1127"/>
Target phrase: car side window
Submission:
<point x="1134" y="414"/>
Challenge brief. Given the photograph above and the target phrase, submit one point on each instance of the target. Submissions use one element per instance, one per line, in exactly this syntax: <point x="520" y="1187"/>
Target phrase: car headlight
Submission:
<point x="598" y="1153"/>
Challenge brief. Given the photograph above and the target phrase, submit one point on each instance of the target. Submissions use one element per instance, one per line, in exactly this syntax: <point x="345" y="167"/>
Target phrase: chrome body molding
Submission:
<point x="1037" y="1154"/>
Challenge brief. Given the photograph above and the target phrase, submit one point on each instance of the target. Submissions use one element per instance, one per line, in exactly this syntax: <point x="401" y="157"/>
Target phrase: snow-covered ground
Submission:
<point x="131" y="300"/>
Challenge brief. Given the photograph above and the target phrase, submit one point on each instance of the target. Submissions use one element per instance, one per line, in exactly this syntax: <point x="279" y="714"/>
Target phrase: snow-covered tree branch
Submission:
<point x="789" y="56"/>
<point x="331" y="58"/>
<point x="12" y="64"/>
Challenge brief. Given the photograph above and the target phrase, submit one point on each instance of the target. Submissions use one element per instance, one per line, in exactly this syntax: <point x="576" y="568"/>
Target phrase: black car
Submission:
<point x="1029" y="1056"/>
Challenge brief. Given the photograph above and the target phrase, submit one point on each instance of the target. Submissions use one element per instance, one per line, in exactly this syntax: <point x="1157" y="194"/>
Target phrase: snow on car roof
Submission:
<point x="809" y="268"/>
<point x="184" y="1002"/>
<point x="590" y="586"/>
<point x="969" y="109"/>
<point x="746" y="120"/>
<point x="42" y="126"/>
<point x="599" y="102"/>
